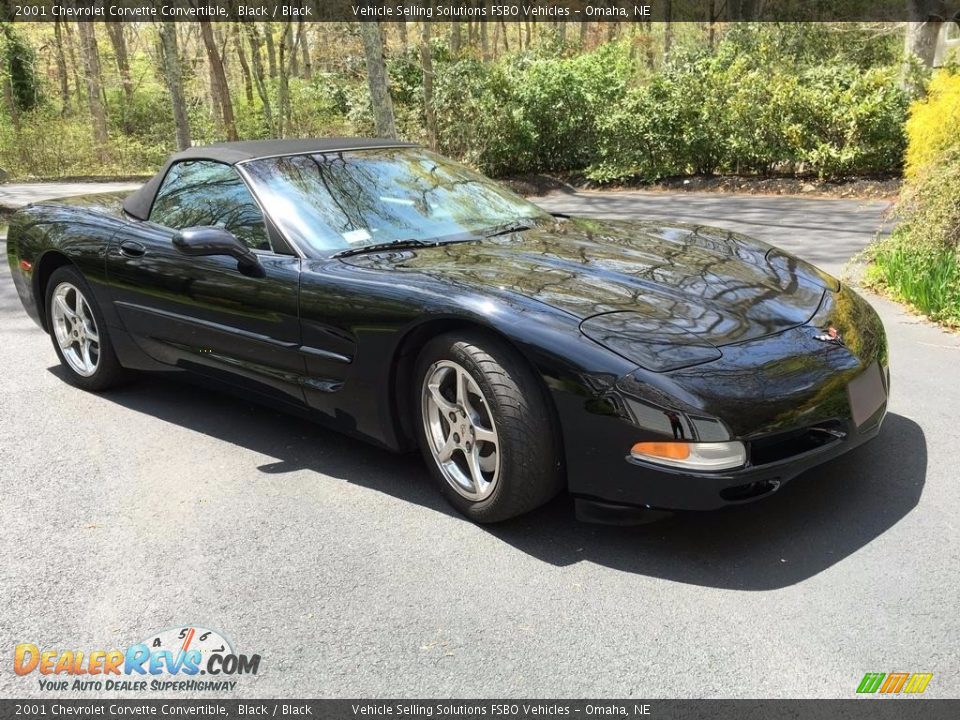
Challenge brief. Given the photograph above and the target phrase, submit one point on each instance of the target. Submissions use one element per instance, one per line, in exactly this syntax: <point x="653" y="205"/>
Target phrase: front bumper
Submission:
<point x="785" y="397"/>
<point x="682" y="490"/>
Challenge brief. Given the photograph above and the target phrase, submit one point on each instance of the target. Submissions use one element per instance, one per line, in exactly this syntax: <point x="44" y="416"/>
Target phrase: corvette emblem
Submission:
<point x="830" y="335"/>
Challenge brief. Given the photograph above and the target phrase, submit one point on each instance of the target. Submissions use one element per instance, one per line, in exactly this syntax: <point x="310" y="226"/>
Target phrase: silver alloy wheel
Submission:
<point x="75" y="329"/>
<point x="460" y="429"/>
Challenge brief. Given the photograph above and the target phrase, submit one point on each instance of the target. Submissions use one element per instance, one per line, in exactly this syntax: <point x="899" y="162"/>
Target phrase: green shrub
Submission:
<point x="920" y="261"/>
<point x="724" y="114"/>
<point x="528" y="112"/>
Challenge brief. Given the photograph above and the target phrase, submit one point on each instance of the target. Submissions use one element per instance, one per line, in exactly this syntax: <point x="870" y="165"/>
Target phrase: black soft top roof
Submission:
<point x="139" y="202"/>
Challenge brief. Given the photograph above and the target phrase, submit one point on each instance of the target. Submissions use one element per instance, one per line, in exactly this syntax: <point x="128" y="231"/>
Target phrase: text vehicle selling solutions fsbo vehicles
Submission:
<point x="407" y="300"/>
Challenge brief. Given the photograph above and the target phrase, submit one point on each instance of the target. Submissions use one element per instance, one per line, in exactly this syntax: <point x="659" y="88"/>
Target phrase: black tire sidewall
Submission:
<point x="503" y="503"/>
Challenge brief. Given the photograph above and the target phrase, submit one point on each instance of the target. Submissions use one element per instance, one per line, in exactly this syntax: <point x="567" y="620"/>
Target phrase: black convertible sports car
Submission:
<point x="403" y="298"/>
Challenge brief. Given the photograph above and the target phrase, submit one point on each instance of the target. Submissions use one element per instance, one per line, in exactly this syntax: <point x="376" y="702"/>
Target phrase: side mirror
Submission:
<point x="213" y="240"/>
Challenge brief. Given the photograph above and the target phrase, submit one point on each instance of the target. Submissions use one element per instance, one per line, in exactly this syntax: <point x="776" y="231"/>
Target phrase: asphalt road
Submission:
<point x="164" y="504"/>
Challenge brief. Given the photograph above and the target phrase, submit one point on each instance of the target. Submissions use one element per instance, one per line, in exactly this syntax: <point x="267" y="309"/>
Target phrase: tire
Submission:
<point x="505" y="433"/>
<point x="97" y="368"/>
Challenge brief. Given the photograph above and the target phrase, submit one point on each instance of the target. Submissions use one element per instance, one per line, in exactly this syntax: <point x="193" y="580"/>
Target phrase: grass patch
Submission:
<point x="925" y="277"/>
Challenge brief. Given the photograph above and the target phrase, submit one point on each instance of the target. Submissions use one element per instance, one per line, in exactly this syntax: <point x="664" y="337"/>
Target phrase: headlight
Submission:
<point x="652" y="344"/>
<point x="692" y="455"/>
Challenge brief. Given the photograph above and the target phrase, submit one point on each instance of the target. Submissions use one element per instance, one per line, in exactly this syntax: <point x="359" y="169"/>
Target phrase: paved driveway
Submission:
<point x="164" y="504"/>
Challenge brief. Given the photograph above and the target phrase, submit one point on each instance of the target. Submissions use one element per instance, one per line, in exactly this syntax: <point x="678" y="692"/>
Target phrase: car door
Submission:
<point x="204" y="313"/>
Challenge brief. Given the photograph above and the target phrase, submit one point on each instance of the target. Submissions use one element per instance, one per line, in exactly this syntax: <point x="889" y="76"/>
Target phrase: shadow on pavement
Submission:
<point x="817" y="520"/>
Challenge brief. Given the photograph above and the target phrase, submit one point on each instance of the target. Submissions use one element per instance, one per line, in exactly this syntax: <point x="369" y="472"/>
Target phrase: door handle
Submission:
<point x="131" y="248"/>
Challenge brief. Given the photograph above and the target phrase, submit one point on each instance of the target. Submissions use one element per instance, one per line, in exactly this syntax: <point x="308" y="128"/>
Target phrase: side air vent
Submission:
<point x="787" y="445"/>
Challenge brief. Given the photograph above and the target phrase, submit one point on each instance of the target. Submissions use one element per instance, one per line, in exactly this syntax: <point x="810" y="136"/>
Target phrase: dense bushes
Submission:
<point x="920" y="261"/>
<point x="731" y="111"/>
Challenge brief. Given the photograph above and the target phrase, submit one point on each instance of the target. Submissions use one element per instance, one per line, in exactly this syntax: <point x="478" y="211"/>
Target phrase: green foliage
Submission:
<point x="51" y="146"/>
<point x="782" y="100"/>
<point x="735" y="113"/>
<point x="20" y="67"/>
<point x="528" y="112"/>
<point x="769" y="98"/>
<point x="926" y="277"/>
<point x="920" y="261"/>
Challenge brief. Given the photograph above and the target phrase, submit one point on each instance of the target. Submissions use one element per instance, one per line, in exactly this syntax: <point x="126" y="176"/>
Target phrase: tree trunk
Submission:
<point x="115" y="31"/>
<point x="484" y="43"/>
<point x="455" y="38"/>
<point x="583" y="34"/>
<point x="11" y="104"/>
<point x="741" y="9"/>
<point x="712" y="32"/>
<point x="667" y="27"/>
<point x="254" y="37"/>
<point x="244" y="65"/>
<point x="218" y="81"/>
<point x="287" y="56"/>
<point x="377" y="79"/>
<point x="174" y="79"/>
<point x="75" y="66"/>
<point x="271" y="49"/>
<point x="426" y="62"/>
<point x="91" y="58"/>
<point x="506" y="41"/>
<point x="651" y="55"/>
<point x="306" y="61"/>
<point x="920" y="39"/>
<point x="293" y="52"/>
<point x="62" y="70"/>
<point x="404" y="41"/>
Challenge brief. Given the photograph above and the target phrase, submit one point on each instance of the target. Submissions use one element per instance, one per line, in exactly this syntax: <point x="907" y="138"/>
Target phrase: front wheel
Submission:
<point x="79" y="334"/>
<point x="486" y="427"/>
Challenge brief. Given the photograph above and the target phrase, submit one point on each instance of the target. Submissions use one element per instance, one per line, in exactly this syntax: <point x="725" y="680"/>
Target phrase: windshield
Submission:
<point x="334" y="201"/>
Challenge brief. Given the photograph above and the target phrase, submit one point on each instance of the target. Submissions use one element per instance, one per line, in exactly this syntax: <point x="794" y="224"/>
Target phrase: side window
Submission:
<point x="202" y="192"/>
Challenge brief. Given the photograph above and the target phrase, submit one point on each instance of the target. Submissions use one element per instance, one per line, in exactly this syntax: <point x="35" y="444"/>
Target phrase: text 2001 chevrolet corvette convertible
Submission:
<point x="405" y="299"/>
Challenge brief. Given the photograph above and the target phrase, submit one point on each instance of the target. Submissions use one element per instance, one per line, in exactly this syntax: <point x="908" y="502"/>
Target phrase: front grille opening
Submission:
<point x="786" y="445"/>
<point x="739" y="493"/>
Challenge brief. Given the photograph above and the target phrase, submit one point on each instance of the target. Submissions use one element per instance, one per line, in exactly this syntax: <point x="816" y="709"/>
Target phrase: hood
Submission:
<point x="719" y="286"/>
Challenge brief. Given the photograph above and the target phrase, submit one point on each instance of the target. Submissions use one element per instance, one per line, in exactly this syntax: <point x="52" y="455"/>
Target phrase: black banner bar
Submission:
<point x="872" y="708"/>
<point x="481" y="10"/>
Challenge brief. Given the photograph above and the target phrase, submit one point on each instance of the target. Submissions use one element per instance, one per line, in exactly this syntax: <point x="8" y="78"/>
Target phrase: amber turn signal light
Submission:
<point x="703" y="456"/>
<point x="669" y="450"/>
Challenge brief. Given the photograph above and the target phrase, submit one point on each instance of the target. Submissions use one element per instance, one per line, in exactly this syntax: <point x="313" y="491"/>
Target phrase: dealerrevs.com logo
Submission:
<point x="170" y="660"/>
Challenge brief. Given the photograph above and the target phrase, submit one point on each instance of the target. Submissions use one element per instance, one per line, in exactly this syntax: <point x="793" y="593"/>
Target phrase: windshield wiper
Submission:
<point x="399" y="244"/>
<point x="507" y="228"/>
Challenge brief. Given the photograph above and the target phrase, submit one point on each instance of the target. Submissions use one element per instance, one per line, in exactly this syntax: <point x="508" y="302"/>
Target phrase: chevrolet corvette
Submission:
<point x="397" y="296"/>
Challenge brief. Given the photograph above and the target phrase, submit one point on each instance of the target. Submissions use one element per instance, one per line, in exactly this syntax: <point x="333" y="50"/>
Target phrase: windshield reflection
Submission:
<point x="334" y="201"/>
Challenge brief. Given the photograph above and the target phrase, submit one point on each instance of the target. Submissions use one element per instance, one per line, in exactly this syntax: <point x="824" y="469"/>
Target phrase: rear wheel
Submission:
<point x="486" y="427"/>
<point x="79" y="334"/>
